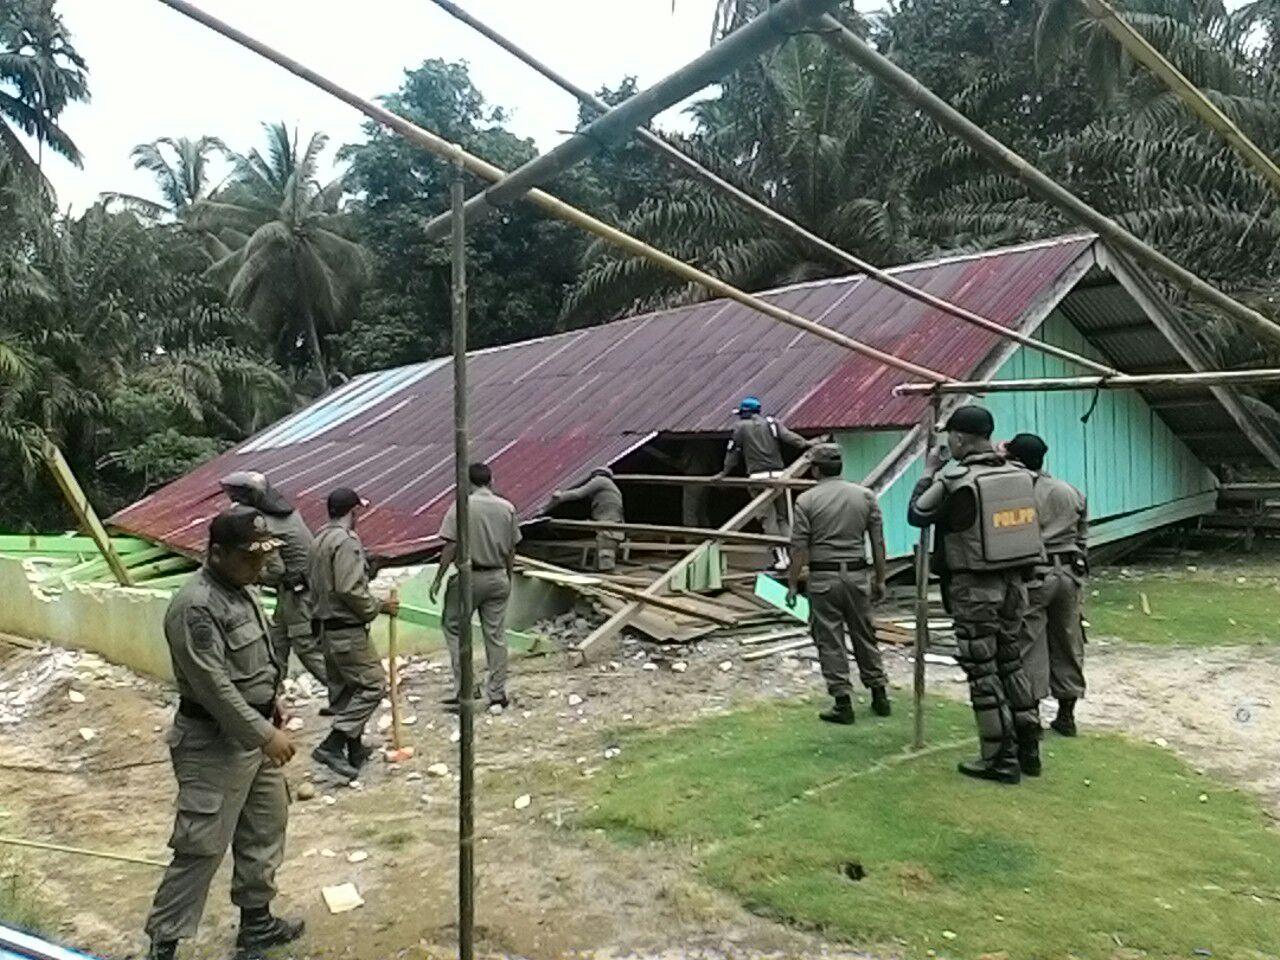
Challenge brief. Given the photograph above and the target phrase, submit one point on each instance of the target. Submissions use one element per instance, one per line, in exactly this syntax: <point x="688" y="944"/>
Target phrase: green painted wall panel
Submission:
<point x="1125" y="458"/>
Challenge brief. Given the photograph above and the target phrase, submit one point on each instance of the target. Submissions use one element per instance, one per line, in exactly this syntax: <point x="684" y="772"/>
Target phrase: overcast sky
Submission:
<point x="155" y="73"/>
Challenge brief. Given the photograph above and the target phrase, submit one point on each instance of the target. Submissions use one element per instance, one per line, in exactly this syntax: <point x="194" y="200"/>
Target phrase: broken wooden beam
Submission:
<point x="659" y="529"/>
<point x="83" y="510"/>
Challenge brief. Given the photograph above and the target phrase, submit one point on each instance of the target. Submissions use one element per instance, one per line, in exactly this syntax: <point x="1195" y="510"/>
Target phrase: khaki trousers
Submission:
<point x="1052" y="640"/>
<point x="227" y="796"/>
<point x="305" y="645"/>
<point x="490" y="591"/>
<point x="840" y="604"/>
<point x="356" y="672"/>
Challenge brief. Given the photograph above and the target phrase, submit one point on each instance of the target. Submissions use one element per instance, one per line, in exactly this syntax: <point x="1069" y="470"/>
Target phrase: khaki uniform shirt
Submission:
<point x="222" y="657"/>
<point x="605" y="497"/>
<point x="494" y="528"/>
<point x="757" y="440"/>
<point x="339" y="576"/>
<point x="286" y="571"/>
<point x="833" y="519"/>
<point x="1064" y="515"/>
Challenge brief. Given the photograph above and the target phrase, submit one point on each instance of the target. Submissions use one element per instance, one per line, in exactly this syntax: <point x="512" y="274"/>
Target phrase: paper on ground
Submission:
<point x="342" y="898"/>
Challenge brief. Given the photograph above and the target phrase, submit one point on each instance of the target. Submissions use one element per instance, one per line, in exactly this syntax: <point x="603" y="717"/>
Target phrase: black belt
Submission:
<point x="836" y="566"/>
<point x="479" y="568"/>
<point x="334" y="623"/>
<point x="194" y="711"/>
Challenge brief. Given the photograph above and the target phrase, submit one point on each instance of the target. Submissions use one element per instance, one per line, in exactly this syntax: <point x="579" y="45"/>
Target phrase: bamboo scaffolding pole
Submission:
<point x="741" y="482"/>
<point x="659" y="529"/>
<point x="451" y="152"/>
<point x="1137" y="47"/>
<point x="83" y="510"/>
<point x="1180" y="381"/>
<point x="847" y="42"/>
<point x="466" y="673"/>
<point x="80" y="852"/>
<point x="768" y="30"/>
<point x="697" y="171"/>
<point x="921" y="638"/>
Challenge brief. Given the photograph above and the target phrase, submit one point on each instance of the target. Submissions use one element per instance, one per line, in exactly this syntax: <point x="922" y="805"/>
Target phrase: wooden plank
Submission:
<point x="83" y="510"/>
<point x="584" y="582"/>
<point x="740" y="519"/>
<point x="659" y="529"/>
<point x="780" y="648"/>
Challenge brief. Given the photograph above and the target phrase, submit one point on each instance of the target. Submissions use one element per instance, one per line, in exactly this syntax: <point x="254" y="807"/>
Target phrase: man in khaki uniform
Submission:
<point x="988" y="542"/>
<point x="226" y="744"/>
<point x="833" y="521"/>
<point x="493" y="532"/>
<point x="1052" y="638"/>
<point x="285" y="572"/>
<point x="343" y="609"/>
<point x="605" y="500"/>
<point x="757" y="442"/>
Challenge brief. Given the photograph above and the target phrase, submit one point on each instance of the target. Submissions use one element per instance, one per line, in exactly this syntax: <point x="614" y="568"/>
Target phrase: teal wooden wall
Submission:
<point x="1125" y="458"/>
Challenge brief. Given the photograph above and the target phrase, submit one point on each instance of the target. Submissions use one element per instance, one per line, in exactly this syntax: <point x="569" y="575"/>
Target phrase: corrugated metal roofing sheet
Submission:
<point x="545" y="411"/>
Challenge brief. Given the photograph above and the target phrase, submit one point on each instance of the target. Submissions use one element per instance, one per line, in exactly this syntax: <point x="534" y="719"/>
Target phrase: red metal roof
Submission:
<point x="544" y="412"/>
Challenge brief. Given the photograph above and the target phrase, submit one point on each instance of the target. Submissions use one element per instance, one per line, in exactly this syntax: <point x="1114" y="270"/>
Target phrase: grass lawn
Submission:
<point x="1113" y="853"/>
<point x="20" y="906"/>
<point x="1233" y="605"/>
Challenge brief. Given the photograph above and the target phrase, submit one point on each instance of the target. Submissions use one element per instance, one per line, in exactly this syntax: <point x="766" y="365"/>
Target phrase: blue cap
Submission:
<point x="751" y="404"/>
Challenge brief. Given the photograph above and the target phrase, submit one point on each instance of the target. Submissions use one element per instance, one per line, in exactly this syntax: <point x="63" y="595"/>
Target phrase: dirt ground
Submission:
<point x="545" y="889"/>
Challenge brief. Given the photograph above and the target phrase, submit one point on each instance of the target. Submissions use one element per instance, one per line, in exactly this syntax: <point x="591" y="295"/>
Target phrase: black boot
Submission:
<point x="880" y="702"/>
<point x="259" y="930"/>
<point x="1065" y="722"/>
<point x="1029" y="751"/>
<point x="162" y="950"/>
<point x="332" y="753"/>
<point x="357" y="753"/>
<point x="841" y="712"/>
<point x="1000" y="767"/>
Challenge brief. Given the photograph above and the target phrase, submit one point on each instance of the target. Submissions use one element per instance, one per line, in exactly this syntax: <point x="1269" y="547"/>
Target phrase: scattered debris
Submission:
<point x="679" y="667"/>
<point x="75" y="696"/>
<point x="326" y="852"/>
<point x="523" y="801"/>
<point x="342" y="898"/>
<point x="726" y="666"/>
<point x="438" y="770"/>
<point x="295" y="724"/>
<point x="574" y="700"/>
<point x="87" y="734"/>
<point x="305" y="791"/>
<point x="357" y="856"/>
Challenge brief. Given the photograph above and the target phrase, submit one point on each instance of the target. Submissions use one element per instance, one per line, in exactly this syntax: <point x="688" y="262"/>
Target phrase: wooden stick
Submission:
<point x="922" y="598"/>
<point x="780" y="648"/>
<point x="81" y="852"/>
<point x="750" y="641"/>
<point x="1183" y="381"/>
<point x="393" y="631"/>
<point x="658" y="529"/>
<point x="796" y="483"/>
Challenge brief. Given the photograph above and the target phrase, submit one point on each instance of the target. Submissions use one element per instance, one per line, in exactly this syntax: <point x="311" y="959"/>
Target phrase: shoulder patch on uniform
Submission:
<point x="954" y="469"/>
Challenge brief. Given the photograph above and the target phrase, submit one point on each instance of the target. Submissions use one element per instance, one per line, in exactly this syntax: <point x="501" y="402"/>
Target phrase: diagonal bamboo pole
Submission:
<point x="1141" y="381"/>
<point x="451" y="152"/>
<point x="1136" y="45"/>
<point x="770" y="29"/>
<point x="847" y="42"/>
<point x="795" y="230"/>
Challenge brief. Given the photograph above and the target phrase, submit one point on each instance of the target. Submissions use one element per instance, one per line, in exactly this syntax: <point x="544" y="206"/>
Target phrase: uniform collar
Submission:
<point x="483" y="492"/>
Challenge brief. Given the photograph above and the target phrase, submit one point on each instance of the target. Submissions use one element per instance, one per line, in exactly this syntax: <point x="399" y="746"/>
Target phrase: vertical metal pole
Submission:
<point x="466" y="745"/>
<point x="922" y="592"/>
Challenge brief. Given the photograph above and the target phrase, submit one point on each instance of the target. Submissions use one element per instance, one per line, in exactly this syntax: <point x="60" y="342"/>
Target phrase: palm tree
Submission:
<point x="801" y="131"/>
<point x="40" y="73"/>
<point x="286" y="261"/>
<point x="181" y="170"/>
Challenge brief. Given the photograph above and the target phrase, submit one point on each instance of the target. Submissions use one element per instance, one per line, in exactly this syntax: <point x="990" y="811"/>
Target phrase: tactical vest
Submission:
<point x="1006" y="533"/>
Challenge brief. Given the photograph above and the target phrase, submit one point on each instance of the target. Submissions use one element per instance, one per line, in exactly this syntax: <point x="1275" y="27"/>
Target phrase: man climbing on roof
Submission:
<point x="605" y="500"/>
<point x="1052" y="636"/>
<point x="344" y="609"/>
<point x="834" y="522"/>
<point x="989" y="541"/>
<point x="493" y="533"/>
<point x="758" y="443"/>
<point x="227" y="745"/>
<point x="285" y="572"/>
